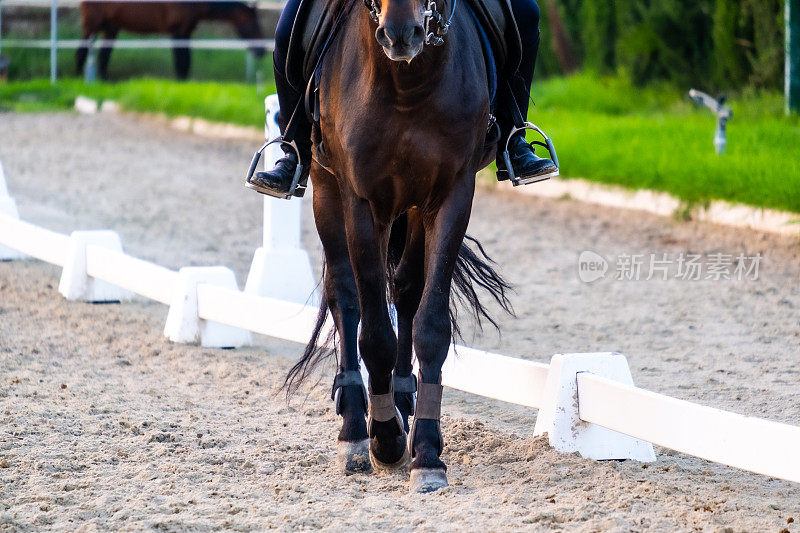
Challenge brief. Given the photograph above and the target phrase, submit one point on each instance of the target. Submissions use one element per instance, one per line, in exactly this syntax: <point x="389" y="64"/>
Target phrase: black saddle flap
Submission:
<point x="310" y="30"/>
<point x="498" y="22"/>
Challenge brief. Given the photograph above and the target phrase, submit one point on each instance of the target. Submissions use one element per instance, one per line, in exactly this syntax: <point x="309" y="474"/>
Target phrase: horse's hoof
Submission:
<point x="400" y="463"/>
<point x="427" y="480"/>
<point x="354" y="457"/>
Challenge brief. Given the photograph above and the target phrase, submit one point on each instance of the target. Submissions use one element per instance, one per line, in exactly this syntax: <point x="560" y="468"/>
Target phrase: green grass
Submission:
<point x="604" y="129"/>
<point x="655" y="138"/>
<point x="236" y="103"/>
<point x="31" y="64"/>
<point x="207" y="65"/>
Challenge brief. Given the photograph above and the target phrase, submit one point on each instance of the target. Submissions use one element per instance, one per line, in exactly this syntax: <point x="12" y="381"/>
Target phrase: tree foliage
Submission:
<point x="718" y="45"/>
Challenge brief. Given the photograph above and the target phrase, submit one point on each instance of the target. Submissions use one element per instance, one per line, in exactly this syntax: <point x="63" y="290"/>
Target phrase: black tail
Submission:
<point x="316" y="350"/>
<point x="473" y="272"/>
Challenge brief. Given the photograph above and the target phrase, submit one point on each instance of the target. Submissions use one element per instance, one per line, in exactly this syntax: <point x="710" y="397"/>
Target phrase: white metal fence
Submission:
<point x="587" y="402"/>
<point x="54" y="43"/>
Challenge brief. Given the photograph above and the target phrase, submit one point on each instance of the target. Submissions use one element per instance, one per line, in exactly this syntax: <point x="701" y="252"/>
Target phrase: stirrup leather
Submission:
<point x="296" y="189"/>
<point x="548" y="144"/>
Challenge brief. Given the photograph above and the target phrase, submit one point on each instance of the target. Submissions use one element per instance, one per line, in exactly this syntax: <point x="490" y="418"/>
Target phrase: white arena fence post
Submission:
<point x="281" y="267"/>
<point x="559" y="415"/>
<point x="75" y="283"/>
<point x="183" y="320"/>
<point x="9" y="208"/>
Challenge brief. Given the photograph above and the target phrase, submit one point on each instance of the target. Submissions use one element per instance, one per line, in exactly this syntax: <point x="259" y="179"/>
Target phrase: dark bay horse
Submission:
<point x="401" y="137"/>
<point x="177" y="19"/>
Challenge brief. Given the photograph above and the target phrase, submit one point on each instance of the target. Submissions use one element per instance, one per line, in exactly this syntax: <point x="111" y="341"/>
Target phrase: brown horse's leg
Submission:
<point x="342" y="299"/>
<point x="91" y="22"/>
<point x="105" y="52"/>
<point x="367" y="243"/>
<point x="181" y="55"/>
<point x="82" y="52"/>
<point x="408" y="285"/>
<point x="432" y="332"/>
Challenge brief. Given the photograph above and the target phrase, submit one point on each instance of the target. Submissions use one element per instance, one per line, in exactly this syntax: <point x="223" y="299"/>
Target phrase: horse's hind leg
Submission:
<point x="367" y="243"/>
<point x="444" y="234"/>
<point x="105" y="52"/>
<point x="342" y="299"/>
<point x="408" y="283"/>
<point x="91" y="22"/>
<point x="181" y="53"/>
<point x="181" y="57"/>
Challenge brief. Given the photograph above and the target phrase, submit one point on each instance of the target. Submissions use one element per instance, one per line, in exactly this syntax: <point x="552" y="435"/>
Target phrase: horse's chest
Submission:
<point x="397" y="147"/>
<point x="406" y="149"/>
<point x="396" y="167"/>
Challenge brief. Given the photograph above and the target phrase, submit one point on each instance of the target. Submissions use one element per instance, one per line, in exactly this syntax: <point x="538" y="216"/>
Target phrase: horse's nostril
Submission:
<point x="394" y="35"/>
<point x="380" y="35"/>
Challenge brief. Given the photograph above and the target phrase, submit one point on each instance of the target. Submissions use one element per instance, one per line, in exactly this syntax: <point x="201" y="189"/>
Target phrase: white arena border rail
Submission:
<point x="587" y="402"/>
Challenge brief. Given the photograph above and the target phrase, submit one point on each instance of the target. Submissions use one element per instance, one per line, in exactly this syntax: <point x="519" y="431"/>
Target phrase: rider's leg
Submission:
<point x="288" y="96"/>
<point x="526" y="13"/>
<point x="279" y="179"/>
<point x="526" y="164"/>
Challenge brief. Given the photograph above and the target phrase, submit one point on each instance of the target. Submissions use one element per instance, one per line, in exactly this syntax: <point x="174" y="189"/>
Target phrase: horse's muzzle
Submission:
<point x="401" y="43"/>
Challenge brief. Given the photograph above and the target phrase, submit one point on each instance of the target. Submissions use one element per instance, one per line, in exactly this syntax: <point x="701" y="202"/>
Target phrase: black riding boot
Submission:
<point x="278" y="181"/>
<point x="528" y="167"/>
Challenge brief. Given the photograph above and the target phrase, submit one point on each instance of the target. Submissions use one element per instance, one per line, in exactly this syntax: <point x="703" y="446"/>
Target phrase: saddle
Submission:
<point x="316" y="19"/>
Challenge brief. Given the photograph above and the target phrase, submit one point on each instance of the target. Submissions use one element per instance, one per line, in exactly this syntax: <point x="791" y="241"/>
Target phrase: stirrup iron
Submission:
<point x="296" y="189"/>
<point x="548" y="144"/>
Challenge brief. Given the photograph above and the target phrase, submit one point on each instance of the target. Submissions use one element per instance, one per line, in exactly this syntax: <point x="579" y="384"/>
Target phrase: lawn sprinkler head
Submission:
<point x="4" y="66"/>
<point x="722" y="112"/>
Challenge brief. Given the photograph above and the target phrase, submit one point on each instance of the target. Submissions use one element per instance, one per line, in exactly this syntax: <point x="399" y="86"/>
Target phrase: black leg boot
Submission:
<point x="527" y="166"/>
<point x="278" y="181"/>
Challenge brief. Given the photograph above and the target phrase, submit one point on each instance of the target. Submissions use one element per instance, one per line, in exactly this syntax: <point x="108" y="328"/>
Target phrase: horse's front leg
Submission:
<point x="342" y="299"/>
<point x="432" y="331"/>
<point x="367" y="242"/>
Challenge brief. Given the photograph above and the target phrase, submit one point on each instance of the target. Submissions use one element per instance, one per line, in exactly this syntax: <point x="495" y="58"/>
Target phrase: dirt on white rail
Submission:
<point x="105" y="425"/>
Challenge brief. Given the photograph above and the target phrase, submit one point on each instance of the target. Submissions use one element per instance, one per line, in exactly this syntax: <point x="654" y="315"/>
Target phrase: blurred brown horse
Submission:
<point x="177" y="19"/>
